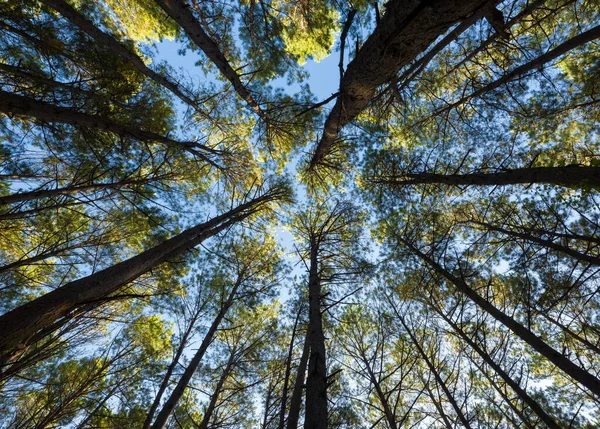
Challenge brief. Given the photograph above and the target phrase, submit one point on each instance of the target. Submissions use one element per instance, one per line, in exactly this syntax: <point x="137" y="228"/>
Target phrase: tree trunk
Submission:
<point x="594" y="260"/>
<point x="288" y="371"/>
<point x="436" y="375"/>
<point x="316" y="382"/>
<point x="387" y="410"/>
<point x="68" y="190"/>
<point x="23" y="106"/>
<point x="570" y="176"/>
<point x="537" y="409"/>
<point x="184" y="381"/>
<point x="170" y="369"/>
<point x="215" y="396"/>
<point x="498" y="389"/>
<point x="405" y="31"/>
<point x="22" y="323"/>
<point x="182" y="15"/>
<point x="296" y="399"/>
<point x="117" y="48"/>
<point x="580" y="375"/>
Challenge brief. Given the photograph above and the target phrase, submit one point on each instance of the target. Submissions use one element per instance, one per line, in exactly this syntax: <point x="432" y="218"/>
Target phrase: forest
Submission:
<point x="195" y="234"/>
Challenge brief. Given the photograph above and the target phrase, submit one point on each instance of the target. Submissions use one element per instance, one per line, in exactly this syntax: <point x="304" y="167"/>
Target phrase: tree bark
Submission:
<point x="296" y="399"/>
<point x="184" y="381"/>
<point x="182" y="15"/>
<point x="387" y="410"/>
<point x="316" y="382"/>
<point x="215" y="396"/>
<point x="405" y="31"/>
<point x="24" y="106"/>
<point x="69" y="190"/>
<point x="167" y="377"/>
<point x="288" y="371"/>
<point x="21" y="324"/>
<point x="569" y="176"/>
<point x="578" y="374"/>
<point x="117" y="48"/>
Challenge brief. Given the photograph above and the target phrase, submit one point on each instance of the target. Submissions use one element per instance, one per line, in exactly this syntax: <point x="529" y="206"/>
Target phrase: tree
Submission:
<point x="196" y="232"/>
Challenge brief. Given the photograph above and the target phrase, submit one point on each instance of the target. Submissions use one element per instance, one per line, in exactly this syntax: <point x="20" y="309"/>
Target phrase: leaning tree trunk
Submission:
<point x="577" y="373"/>
<point x="165" y="381"/>
<point x="212" y="405"/>
<point x="184" y="381"/>
<point x="532" y="403"/>
<point x="537" y="63"/>
<point x="438" y="378"/>
<point x="109" y="42"/>
<point x="21" y="324"/>
<point x="28" y="107"/>
<point x="182" y="15"/>
<point x="316" y="382"/>
<point x="406" y="30"/>
<point x="583" y="257"/>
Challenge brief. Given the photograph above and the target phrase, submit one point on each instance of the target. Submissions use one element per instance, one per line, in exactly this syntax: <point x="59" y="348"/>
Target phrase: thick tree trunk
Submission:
<point x="182" y="15"/>
<point x="21" y="324"/>
<point x="23" y="106"/>
<point x="116" y="47"/>
<point x="532" y="403"/>
<point x="438" y="378"/>
<point x="316" y="382"/>
<point x="296" y="399"/>
<point x="578" y="374"/>
<point x="570" y="176"/>
<point x="405" y="31"/>
<point x="184" y="381"/>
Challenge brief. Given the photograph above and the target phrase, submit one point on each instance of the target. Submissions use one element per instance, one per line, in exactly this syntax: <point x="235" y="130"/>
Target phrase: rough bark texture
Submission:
<point x="169" y="406"/>
<point x="116" y="47"/>
<point x="406" y="30"/>
<point x="569" y="176"/>
<point x="28" y="107"/>
<point x="182" y="15"/>
<point x="21" y="324"/>
<point x="577" y="373"/>
<point x="316" y="382"/>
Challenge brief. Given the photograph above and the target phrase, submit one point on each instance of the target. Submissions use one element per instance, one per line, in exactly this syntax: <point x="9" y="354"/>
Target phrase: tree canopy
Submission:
<point x="193" y="236"/>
